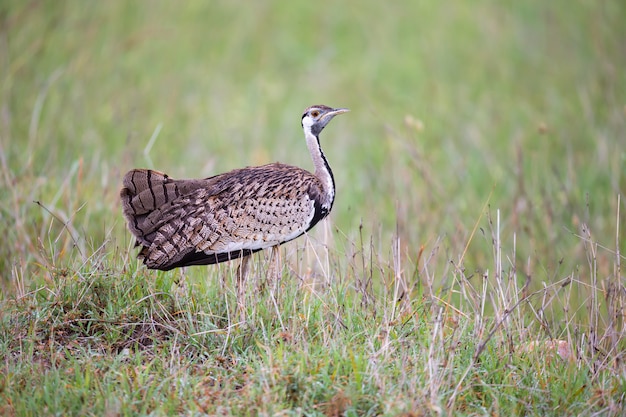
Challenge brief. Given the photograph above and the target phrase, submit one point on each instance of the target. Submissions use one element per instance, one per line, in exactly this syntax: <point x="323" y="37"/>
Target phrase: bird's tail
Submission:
<point x="143" y="192"/>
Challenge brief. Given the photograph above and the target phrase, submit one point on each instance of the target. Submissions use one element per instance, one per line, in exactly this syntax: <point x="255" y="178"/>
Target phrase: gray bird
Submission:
<point x="231" y="215"/>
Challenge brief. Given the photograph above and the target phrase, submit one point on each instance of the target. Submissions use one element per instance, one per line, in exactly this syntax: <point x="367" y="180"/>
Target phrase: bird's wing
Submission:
<point x="150" y="198"/>
<point x="192" y="222"/>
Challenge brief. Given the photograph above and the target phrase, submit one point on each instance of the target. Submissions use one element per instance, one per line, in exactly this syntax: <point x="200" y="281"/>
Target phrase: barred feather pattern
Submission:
<point x="211" y="220"/>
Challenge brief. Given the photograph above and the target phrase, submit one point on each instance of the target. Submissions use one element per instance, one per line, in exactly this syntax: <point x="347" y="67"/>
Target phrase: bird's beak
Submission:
<point x="339" y="111"/>
<point x="334" y="113"/>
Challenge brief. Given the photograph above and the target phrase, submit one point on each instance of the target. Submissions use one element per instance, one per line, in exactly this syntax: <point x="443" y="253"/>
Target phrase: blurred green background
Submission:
<point x="458" y="109"/>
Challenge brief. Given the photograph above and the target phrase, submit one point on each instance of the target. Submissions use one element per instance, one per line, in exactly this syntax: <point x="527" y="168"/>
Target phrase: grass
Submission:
<point x="473" y="260"/>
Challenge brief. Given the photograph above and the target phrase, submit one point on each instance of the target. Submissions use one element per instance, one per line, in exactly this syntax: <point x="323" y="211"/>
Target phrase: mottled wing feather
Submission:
<point x="196" y="222"/>
<point x="146" y="194"/>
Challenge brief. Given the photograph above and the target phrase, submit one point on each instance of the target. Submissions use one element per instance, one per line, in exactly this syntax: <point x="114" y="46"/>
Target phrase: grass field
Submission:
<point x="472" y="264"/>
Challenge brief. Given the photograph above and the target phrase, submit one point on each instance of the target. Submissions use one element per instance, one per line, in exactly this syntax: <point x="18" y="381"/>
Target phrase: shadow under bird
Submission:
<point x="186" y="222"/>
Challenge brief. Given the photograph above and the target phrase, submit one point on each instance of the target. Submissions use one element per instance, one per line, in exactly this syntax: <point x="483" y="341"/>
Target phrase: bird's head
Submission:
<point x="315" y="118"/>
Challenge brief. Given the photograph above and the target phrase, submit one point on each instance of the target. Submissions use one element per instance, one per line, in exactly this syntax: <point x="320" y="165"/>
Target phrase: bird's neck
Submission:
<point x="322" y="168"/>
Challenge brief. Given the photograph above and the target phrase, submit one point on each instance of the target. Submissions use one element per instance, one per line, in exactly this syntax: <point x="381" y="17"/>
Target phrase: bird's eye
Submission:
<point x="315" y="113"/>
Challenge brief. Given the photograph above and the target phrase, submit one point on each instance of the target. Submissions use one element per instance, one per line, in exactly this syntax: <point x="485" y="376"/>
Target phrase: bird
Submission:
<point x="186" y="222"/>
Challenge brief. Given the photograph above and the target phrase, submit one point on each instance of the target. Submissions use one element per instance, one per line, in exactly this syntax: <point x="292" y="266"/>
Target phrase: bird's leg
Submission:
<point x="242" y="274"/>
<point x="275" y="270"/>
<point x="272" y="275"/>
<point x="181" y="283"/>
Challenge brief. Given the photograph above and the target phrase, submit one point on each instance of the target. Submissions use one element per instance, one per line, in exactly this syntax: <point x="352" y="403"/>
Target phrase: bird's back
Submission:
<point x="211" y="220"/>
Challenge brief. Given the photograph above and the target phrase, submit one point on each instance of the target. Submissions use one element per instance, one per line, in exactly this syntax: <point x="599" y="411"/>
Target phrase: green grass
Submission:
<point x="479" y="216"/>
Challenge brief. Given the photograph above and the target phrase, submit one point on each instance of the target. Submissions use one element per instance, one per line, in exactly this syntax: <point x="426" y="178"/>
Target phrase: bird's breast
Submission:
<point x="263" y="222"/>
